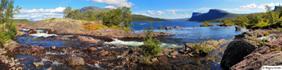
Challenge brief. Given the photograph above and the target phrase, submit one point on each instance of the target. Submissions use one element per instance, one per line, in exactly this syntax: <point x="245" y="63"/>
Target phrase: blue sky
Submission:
<point x="170" y="9"/>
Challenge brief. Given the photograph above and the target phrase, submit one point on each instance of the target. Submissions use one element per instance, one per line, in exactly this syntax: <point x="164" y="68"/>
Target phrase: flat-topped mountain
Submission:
<point x="213" y="14"/>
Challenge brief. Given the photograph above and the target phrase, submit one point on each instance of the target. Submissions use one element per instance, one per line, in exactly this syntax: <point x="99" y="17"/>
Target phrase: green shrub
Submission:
<point x="110" y="17"/>
<point x="206" y="46"/>
<point x="270" y="19"/>
<point x="7" y="28"/>
<point x="151" y="45"/>
<point x="206" y="24"/>
<point x="227" y="22"/>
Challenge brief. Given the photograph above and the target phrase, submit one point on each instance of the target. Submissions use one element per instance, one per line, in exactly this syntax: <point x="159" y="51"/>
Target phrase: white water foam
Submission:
<point x="45" y="35"/>
<point x="136" y="43"/>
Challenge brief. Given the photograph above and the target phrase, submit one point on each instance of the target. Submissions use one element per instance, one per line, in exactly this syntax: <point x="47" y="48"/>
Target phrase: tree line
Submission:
<point x="270" y="19"/>
<point x="110" y="17"/>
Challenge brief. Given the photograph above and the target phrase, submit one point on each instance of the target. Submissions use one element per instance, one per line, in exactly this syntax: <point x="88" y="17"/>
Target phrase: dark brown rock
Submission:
<point x="256" y="60"/>
<point x="187" y="49"/>
<point x="235" y="52"/>
<point x="104" y="53"/>
<point x="36" y="49"/>
<point x="163" y="60"/>
<point x="92" y="49"/>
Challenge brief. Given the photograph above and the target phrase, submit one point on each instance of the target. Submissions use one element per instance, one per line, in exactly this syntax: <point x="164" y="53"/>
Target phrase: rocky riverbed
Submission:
<point x="83" y="52"/>
<point x="79" y="49"/>
<point x="80" y="52"/>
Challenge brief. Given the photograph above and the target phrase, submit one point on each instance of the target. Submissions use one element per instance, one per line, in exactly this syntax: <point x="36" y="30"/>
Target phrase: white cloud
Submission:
<point x="258" y="6"/>
<point x="172" y="11"/>
<point x="54" y="10"/>
<point x="110" y="7"/>
<point x="249" y="6"/>
<point x="40" y="14"/>
<point x="116" y="3"/>
<point x="168" y="13"/>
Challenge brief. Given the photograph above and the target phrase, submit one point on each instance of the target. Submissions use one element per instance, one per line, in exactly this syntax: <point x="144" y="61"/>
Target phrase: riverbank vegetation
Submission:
<point x="205" y="24"/>
<point x="270" y="19"/>
<point x="7" y="27"/>
<point x="120" y="17"/>
<point x="151" y="47"/>
<point x="206" y="47"/>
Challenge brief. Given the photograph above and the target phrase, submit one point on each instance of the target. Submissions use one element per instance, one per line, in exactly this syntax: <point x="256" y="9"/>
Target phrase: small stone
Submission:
<point x="92" y="49"/>
<point x="37" y="64"/>
<point x="36" y="49"/>
<point x="76" y="61"/>
<point x="163" y="59"/>
<point x="173" y="57"/>
<point x="104" y="53"/>
<point x="174" y="53"/>
<point x="154" y="59"/>
<point x="53" y="47"/>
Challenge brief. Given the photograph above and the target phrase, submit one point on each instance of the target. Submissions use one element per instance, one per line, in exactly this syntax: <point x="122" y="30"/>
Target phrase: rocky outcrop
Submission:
<point x="254" y="49"/>
<point x="213" y="14"/>
<point x="78" y="27"/>
<point x="270" y="55"/>
<point x="260" y="57"/>
<point x="8" y="63"/>
<point x="235" y="52"/>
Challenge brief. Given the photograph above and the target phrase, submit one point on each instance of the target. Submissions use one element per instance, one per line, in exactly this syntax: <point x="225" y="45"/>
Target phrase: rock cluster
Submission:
<point x="8" y="62"/>
<point x="252" y="50"/>
<point x="260" y="57"/>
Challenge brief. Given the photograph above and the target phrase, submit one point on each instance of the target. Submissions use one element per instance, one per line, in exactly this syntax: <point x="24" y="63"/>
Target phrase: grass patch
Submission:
<point x="206" y="46"/>
<point x="151" y="47"/>
<point x="206" y="24"/>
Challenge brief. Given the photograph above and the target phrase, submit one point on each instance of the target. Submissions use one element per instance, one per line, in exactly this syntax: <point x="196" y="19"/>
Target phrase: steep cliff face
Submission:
<point x="213" y="14"/>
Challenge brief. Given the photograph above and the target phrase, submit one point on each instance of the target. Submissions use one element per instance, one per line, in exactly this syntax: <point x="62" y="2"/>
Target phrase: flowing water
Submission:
<point x="184" y="32"/>
<point x="187" y="32"/>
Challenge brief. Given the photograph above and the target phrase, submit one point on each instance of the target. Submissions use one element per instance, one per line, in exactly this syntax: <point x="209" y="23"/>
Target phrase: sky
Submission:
<point x="168" y="9"/>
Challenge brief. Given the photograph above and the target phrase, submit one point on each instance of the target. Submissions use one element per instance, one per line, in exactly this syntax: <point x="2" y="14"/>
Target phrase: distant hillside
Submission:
<point x="90" y="8"/>
<point x="145" y="18"/>
<point x="135" y="17"/>
<point x="213" y="14"/>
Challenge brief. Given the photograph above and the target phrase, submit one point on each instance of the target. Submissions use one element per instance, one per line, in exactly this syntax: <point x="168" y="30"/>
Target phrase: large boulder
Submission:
<point x="235" y="52"/>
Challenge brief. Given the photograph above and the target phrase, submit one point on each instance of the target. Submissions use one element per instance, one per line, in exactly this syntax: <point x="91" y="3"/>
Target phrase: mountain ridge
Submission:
<point x="212" y="14"/>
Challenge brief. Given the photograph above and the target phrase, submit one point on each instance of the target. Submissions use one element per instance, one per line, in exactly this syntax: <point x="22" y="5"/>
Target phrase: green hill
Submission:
<point x="145" y="18"/>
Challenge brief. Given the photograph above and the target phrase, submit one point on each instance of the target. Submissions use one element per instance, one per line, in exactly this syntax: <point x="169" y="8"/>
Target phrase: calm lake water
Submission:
<point x="190" y="32"/>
